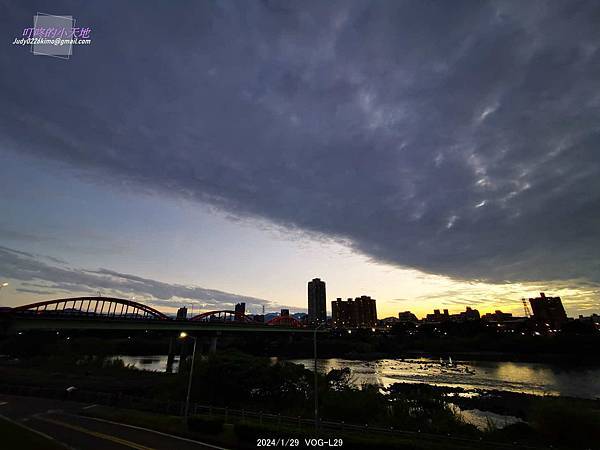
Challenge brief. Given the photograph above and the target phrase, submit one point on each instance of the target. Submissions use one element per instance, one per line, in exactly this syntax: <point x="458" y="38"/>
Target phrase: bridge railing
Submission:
<point x="89" y="307"/>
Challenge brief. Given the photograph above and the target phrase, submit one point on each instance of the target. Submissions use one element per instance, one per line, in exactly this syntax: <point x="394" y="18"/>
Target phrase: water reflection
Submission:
<point x="154" y="363"/>
<point x="533" y="378"/>
<point x="484" y="420"/>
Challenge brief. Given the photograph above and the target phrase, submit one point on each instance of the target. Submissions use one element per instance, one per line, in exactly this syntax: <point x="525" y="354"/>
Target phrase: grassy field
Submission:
<point x="244" y="434"/>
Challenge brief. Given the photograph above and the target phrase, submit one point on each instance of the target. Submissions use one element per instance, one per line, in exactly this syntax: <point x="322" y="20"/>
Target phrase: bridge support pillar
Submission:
<point x="183" y="356"/>
<point x="171" y="355"/>
<point x="213" y="344"/>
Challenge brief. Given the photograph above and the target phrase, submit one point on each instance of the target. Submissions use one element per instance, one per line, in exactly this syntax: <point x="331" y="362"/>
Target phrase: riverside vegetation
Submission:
<point x="239" y="380"/>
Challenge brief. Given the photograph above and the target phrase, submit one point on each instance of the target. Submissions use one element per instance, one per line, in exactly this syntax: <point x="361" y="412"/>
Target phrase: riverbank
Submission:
<point x="247" y="383"/>
<point x="559" y="349"/>
<point x="524" y="377"/>
<point x="563" y="349"/>
<point x="537" y="378"/>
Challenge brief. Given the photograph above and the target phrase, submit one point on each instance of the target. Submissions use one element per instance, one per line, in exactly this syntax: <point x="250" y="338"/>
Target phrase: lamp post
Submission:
<point x="316" y="376"/>
<point x="183" y="335"/>
<point x="2" y="285"/>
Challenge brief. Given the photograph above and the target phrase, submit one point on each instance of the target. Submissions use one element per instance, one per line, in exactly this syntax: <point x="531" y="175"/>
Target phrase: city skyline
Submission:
<point x="317" y="297"/>
<point x="323" y="141"/>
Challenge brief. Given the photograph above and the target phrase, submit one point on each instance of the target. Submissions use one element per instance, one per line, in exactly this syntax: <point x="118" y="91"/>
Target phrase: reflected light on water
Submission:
<point x="523" y="373"/>
<point x="533" y="378"/>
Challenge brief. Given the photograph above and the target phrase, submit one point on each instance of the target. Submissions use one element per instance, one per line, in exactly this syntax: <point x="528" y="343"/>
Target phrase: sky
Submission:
<point x="429" y="154"/>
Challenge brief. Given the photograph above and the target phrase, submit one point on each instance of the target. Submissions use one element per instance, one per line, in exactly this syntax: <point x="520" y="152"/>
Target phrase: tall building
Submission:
<point x="548" y="310"/>
<point x="240" y="311"/>
<point x="344" y="314"/>
<point x="182" y="313"/>
<point x="367" y="311"/>
<point x="358" y="313"/>
<point x="317" y="309"/>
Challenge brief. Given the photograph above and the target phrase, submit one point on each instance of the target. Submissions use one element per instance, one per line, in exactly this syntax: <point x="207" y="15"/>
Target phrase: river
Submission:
<point x="534" y="378"/>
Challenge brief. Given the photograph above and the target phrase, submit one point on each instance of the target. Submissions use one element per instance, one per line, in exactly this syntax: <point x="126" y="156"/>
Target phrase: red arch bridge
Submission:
<point x="121" y="314"/>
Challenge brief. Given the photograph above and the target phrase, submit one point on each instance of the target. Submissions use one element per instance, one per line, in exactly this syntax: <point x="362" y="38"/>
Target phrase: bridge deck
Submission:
<point x="54" y="323"/>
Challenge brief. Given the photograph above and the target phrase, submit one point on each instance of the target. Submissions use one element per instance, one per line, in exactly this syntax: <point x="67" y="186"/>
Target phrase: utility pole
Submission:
<point x="316" y="387"/>
<point x="183" y="335"/>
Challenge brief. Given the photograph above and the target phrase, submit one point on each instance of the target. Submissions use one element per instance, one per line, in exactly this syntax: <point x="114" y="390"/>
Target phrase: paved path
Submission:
<point x="60" y="420"/>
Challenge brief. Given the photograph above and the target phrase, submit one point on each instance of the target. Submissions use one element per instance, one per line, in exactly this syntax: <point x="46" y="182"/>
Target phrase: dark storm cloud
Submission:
<point x="31" y="270"/>
<point x="459" y="138"/>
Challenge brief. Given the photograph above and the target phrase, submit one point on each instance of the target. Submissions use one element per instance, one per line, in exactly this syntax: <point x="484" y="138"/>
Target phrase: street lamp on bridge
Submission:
<point x="184" y="335"/>
<point x="3" y="285"/>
